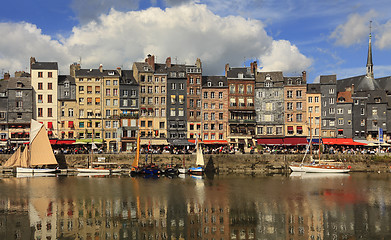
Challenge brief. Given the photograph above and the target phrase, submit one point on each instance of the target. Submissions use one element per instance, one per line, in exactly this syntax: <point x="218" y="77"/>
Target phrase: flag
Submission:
<point x="93" y="146"/>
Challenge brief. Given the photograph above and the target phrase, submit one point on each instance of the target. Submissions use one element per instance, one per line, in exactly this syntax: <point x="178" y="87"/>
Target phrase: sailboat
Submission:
<point x="199" y="170"/>
<point x="318" y="165"/>
<point x="38" y="152"/>
<point x="135" y="169"/>
<point x="183" y="169"/>
<point x="90" y="169"/>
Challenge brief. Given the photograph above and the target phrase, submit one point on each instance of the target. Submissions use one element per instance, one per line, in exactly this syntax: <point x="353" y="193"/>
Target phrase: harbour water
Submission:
<point x="299" y="206"/>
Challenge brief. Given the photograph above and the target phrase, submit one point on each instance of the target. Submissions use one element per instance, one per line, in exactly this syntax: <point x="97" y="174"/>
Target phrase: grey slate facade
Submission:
<point x="176" y="103"/>
<point x="328" y="88"/>
<point x="269" y="104"/>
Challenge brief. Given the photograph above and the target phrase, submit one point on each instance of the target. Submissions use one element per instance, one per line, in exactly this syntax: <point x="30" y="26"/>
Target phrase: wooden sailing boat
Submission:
<point x="90" y="169"/>
<point x="199" y="170"/>
<point x="39" y="152"/>
<point x="318" y="165"/>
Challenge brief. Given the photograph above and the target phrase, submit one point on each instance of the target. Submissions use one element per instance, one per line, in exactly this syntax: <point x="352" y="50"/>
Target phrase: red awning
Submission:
<point x="193" y="141"/>
<point x="295" y="141"/>
<point x="270" y="141"/>
<point x="215" y="142"/>
<point x="290" y="128"/>
<point x="50" y="125"/>
<point x="65" y="142"/>
<point x="299" y="128"/>
<point x="341" y="141"/>
<point x="70" y="124"/>
<point x="52" y="141"/>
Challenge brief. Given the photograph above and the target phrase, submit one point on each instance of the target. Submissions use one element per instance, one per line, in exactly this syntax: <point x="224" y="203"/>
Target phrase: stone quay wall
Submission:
<point x="231" y="163"/>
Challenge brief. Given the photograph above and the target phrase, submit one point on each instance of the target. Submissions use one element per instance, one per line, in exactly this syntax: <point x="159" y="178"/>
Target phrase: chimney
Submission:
<point x="198" y="63"/>
<point x="254" y="67"/>
<point x="168" y="62"/>
<point x="72" y="69"/>
<point x="226" y="69"/>
<point x="304" y="76"/>
<point x="7" y="76"/>
<point x="32" y="61"/>
<point x="352" y="89"/>
<point x="119" y="71"/>
<point x="151" y="61"/>
<point x="100" y="68"/>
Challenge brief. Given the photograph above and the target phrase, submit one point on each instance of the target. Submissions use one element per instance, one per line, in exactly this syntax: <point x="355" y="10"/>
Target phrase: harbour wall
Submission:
<point x="230" y="163"/>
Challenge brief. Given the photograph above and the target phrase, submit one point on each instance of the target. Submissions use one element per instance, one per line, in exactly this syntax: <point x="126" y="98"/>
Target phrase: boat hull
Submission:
<point x="196" y="170"/>
<point x="93" y="170"/>
<point x="318" y="169"/>
<point x="35" y="170"/>
<point x="182" y="170"/>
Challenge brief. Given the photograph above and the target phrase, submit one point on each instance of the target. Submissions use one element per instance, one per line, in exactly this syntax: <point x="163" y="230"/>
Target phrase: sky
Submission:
<point x="319" y="37"/>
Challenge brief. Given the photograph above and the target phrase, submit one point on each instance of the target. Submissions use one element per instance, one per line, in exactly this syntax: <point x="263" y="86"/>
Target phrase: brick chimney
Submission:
<point x="151" y="61"/>
<point x="226" y="69"/>
<point x="254" y="67"/>
<point x="119" y="71"/>
<point x="198" y="63"/>
<point x="7" y="76"/>
<point x="100" y="68"/>
<point x="304" y="76"/>
<point x="168" y="62"/>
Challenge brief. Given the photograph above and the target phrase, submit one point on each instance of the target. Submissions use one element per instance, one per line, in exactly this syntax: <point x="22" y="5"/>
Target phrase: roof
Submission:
<point x="13" y="82"/>
<point x="271" y="76"/>
<point x="234" y="72"/>
<point x="214" y="80"/>
<point x="63" y="78"/>
<point x="313" y="88"/>
<point x="127" y="77"/>
<point x="328" y="79"/>
<point x="44" y="66"/>
<point x="88" y="73"/>
<point x="361" y="83"/>
<point x="384" y="83"/>
<point x="346" y="96"/>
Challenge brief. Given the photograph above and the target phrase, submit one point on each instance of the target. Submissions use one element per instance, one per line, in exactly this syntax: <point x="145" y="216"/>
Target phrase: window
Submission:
<point x="40" y="98"/>
<point x="108" y="113"/>
<point x="331" y="100"/>
<point x="331" y="91"/>
<point x="70" y="112"/>
<point x="316" y="99"/>
<point x="108" y="124"/>
<point x="172" y="112"/>
<point x="115" y="82"/>
<point x="221" y="106"/>
<point x="209" y="84"/>
<point x="173" y="86"/>
<point x="289" y="117"/>
<point x="50" y="86"/>
<point x="181" y="99"/>
<point x="181" y="113"/>
<point x="269" y="130"/>
<point x="374" y="112"/>
<point x="299" y="106"/>
<point x="181" y="86"/>
<point x="50" y="112"/>
<point x="115" y="92"/>
<point x="212" y="95"/>
<point x="173" y="99"/>
<point x="310" y="99"/>
<point x="212" y="116"/>
<point x="289" y="94"/>
<point x="115" y="102"/>
<point x="205" y="95"/>
<point x="81" y="113"/>
<point x="40" y="112"/>
<point x="339" y="111"/>
<point x="19" y="104"/>
<point x="108" y="92"/>
<point x="310" y="109"/>
<point x="298" y="94"/>
<point x="19" y="94"/>
<point x="89" y="89"/>
<point x="340" y="121"/>
<point x="40" y="86"/>
<point x="299" y="117"/>
<point x="232" y="88"/>
<point x="40" y="74"/>
<point x="241" y="89"/>
<point x="289" y="106"/>
<point x="81" y="124"/>
<point x="108" y="102"/>
<point x="362" y="111"/>
<point x="97" y="101"/>
<point x="97" y="89"/>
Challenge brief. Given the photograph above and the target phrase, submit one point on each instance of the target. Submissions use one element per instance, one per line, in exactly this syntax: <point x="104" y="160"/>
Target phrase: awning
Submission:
<point x="50" y="125"/>
<point x="52" y="141"/>
<point x="299" y="128"/>
<point x="341" y="141"/>
<point x="65" y="142"/>
<point x="290" y="128"/>
<point x="215" y="142"/>
<point x="193" y="141"/>
<point x="70" y="124"/>
<point x="295" y="141"/>
<point x="180" y="142"/>
<point x="153" y="142"/>
<point x="270" y="141"/>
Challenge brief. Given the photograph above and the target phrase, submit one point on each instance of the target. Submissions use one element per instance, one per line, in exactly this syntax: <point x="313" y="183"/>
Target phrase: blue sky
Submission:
<point x="320" y="37"/>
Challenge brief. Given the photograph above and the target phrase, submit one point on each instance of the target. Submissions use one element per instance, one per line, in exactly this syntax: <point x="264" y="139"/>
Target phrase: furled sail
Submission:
<point x="41" y="152"/>
<point x="24" y="158"/>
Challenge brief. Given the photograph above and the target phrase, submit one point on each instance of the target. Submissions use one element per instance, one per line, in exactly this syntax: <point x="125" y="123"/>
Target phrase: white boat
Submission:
<point x="96" y="170"/>
<point x="37" y="153"/>
<point x="199" y="170"/>
<point x="318" y="165"/>
<point x="93" y="170"/>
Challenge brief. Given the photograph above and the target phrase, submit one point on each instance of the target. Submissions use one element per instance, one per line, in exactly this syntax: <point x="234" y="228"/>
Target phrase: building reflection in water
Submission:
<point x="222" y="208"/>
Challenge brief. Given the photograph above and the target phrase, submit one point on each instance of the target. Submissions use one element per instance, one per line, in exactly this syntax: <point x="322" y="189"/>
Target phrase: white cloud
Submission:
<point x="20" y="41"/>
<point x="354" y="30"/>
<point x="185" y="33"/>
<point x="283" y="56"/>
<point x="384" y="36"/>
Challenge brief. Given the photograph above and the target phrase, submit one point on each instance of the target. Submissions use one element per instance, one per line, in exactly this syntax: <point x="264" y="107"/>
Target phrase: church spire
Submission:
<point x="369" y="58"/>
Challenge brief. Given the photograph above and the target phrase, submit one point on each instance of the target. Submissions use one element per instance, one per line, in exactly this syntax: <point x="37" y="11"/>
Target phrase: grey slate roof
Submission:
<point x="361" y="83"/>
<point x="13" y="82"/>
<point x="313" y="88"/>
<point x="214" y="80"/>
<point x="127" y="77"/>
<point x="328" y="79"/>
<point x="384" y="83"/>
<point x="274" y="76"/>
<point x="234" y="72"/>
<point x="44" y="66"/>
<point x="63" y="78"/>
<point x="88" y="73"/>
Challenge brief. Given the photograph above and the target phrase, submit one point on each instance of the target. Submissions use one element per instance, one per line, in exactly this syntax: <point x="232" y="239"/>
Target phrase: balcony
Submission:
<point x="242" y="121"/>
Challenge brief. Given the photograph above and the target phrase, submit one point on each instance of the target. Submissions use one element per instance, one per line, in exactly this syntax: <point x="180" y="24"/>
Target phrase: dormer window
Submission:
<point x="268" y="84"/>
<point x="341" y="99"/>
<point x="209" y="84"/>
<point x="268" y="78"/>
<point x="240" y="75"/>
<point x="377" y="100"/>
<point x="19" y="85"/>
<point x="298" y="82"/>
<point x="66" y="84"/>
<point x="181" y="74"/>
<point x="173" y="74"/>
<point x="221" y="84"/>
<point x="111" y="73"/>
<point x="289" y="81"/>
<point x="145" y="68"/>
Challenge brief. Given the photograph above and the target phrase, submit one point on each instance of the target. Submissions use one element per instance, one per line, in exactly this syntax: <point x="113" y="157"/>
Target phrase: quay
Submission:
<point x="226" y="163"/>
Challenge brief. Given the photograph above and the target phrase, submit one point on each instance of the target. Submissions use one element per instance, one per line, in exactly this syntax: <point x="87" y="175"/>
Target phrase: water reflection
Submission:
<point x="225" y="207"/>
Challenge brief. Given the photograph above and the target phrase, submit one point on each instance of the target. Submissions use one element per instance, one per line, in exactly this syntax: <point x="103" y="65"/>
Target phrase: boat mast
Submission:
<point x="320" y="141"/>
<point x="310" y="135"/>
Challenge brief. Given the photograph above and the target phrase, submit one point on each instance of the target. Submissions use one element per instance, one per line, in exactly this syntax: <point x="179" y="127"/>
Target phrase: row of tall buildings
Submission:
<point x="173" y="104"/>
